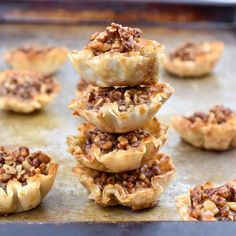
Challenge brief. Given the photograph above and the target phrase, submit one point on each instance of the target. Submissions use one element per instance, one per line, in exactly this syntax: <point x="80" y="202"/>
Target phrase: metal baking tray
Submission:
<point x="66" y="208"/>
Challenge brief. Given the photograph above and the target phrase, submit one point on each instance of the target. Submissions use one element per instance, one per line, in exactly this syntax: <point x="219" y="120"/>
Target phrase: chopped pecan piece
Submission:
<point x="125" y="97"/>
<point x="112" y="141"/>
<point x="116" y="38"/>
<point x="21" y="164"/>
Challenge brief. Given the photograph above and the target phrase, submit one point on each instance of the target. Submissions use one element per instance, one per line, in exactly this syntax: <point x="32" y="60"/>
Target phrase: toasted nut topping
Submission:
<point x="213" y="203"/>
<point x="132" y="180"/>
<point x="116" y="38"/>
<point x="218" y="114"/>
<point x="125" y="97"/>
<point x="21" y="165"/>
<point x="111" y="141"/>
<point x="25" y="85"/>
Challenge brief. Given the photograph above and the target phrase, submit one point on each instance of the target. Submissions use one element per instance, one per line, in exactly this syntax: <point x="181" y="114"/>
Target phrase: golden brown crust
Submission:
<point x="201" y="65"/>
<point x="119" y="69"/>
<point x="46" y="60"/>
<point x="207" y="134"/>
<point x="33" y="90"/>
<point x="110" y="119"/>
<point x="116" y="194"/>
<point x="208" y="203"/>
<point x="117" y="160"/>
<point x="19" y="198"/>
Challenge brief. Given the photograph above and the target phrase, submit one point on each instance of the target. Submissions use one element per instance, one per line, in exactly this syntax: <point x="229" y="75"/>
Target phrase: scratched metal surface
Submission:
<point x="48" y="129"/>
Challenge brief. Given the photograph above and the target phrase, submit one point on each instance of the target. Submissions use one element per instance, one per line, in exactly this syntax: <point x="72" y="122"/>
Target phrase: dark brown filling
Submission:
<point x="133" y="180"/>
<point x="187" y="52"/>
<point x="21" y="165"/>
<point x="14" y="85"/>
<point x="125" y="97"/>
<point x="108" y="142"/>
<point x="220" y="113"/>
<point x="218" y="195"/>
<point x="116" y="38"/>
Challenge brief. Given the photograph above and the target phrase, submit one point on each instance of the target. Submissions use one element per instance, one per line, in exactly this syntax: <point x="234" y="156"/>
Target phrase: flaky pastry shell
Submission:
<point x="109" y="119"/>
<point x="201" y="66"/>
<point x="210" y="136"/>
<point x="117" y="160"/>
<point x="120" y="69"/>
<point x="46" y="60"/>
<point x="115" y="194"/>
<point x="12" y="103"/>
<point x="19" y="198"/>
<point x="183" y="204"/>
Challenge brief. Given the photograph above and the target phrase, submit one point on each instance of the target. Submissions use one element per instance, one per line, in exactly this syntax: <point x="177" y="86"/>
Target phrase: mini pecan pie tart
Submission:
<point x="25" y="91"/>
<point x="207" y="202"/>
<point x="44" y="59"/>
<point x="194" y="59"/>
<point x="112" y="152"/>
<point x="137" y="189"/>
<point x="121" y="109"/>
<point x="25" y="179"/>
<point x="215" y="130"/>
<point x="118" y="57"/>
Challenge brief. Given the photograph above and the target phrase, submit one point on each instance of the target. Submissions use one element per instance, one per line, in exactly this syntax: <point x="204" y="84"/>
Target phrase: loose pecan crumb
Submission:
<point x="218" y="114"/>
<point x="116" y="38"/>
<point x="108" y="142"/>
<point x="187" y="52"/>
<point x="136" y="179"/>
<point x="220" y="202"/>
<point x="21" y="165"/>
<point x="25" y="85"/>
<point x="125" y="97"/>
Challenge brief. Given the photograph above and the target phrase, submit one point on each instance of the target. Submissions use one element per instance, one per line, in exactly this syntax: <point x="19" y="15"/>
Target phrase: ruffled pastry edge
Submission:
<point x="47" y="62"/>
<point x="122" y="160"/>
<point x="218" y="137"/>
<point x="20" y="198"/>
<point x="202" y="66"/>
<point x="109" y="119"/>
<point x="115" y="194"/>
<point x="119" y="69"/>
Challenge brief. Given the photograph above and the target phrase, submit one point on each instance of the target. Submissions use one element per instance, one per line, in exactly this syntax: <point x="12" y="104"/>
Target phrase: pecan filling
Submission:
<point x="187" y="52"/>
<point x="116" y="38"/>
<point x="218" y="114"/>
<point x="21" y="164"/>
<point x="217" y="202"/>
<point x="108" y="142"/>
<point x="125" y="97"/>
<point x="136" y="179"/>
<point x="26" y="85"/>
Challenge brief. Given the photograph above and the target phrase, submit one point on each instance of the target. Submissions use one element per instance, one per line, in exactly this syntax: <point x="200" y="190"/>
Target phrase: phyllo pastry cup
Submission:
<point x="43" y="59"/>
<point x="214" y="131"/>
<point x="116" y="152"/>
<point x="118" y="57"/>
<point x="194" y="59"/>
<point x="25" y="179"/>
<point x="206" y="202"/>
<point x="26" y="91"/>
<point x="121" y="109"/>
<point x="136" y="189"/>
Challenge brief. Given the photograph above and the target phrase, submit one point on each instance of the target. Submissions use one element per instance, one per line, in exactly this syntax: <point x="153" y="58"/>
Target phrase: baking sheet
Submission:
<point x="47" y="130"/>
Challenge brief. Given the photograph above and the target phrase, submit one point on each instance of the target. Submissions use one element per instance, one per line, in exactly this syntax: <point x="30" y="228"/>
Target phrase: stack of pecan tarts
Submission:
<point x="118" y="149"/>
